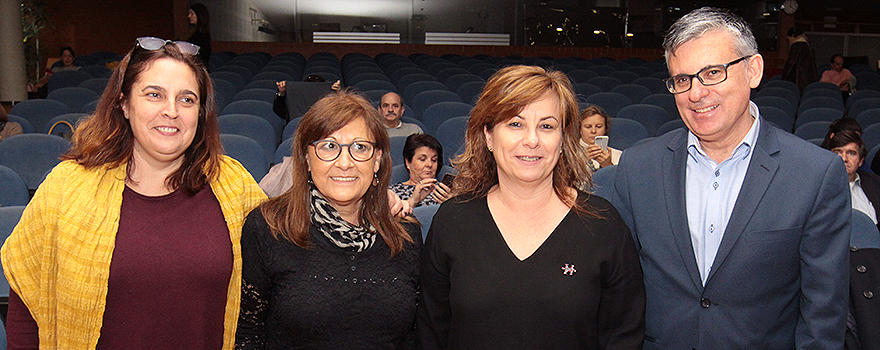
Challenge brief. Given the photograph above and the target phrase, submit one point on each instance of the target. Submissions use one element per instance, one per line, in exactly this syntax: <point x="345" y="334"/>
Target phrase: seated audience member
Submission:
<point x="838" y="75"/>
<point x="391" y="108"/>
<point x="326" y="265"/>
<point x="595" y="122"/>
<point x="280" y="106"/>
<point x="423" y="157"/>
<point x="864" y="186"/>
<point x="67" y="57"/>
<point x="841" y="124"/>
<point x="7" y="128"/>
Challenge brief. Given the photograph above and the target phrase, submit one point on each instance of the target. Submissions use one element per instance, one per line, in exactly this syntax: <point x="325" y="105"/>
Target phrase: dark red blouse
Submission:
<point x="169" y="277"/>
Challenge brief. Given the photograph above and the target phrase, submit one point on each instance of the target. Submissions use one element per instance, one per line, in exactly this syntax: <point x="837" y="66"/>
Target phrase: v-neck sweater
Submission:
<point x="581" y="289"/>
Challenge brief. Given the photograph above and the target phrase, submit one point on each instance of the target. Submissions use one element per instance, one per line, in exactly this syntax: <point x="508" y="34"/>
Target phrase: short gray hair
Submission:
<point x="700" y="21"/>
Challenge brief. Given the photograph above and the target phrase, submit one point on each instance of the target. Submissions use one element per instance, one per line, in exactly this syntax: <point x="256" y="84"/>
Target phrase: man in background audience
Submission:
<point x="864" y="187"/>
<point x="838" y="75"/>
<point x="391" y="108"/>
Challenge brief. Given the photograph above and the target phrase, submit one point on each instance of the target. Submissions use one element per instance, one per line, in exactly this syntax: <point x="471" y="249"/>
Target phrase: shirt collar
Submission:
<point x="747" y="142"/>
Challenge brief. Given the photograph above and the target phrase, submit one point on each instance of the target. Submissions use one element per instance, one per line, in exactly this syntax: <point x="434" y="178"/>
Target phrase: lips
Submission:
<point x="167" y="129"/>
<point x="706" y="109"/>
<point x="343" y="178"/>
<point x="529" y="159"/>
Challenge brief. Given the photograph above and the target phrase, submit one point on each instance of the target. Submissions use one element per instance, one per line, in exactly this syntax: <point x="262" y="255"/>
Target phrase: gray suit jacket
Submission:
<point x="779" y="280"/>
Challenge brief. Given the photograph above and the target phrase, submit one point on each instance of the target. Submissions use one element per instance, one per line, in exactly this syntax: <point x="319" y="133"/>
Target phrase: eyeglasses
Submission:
<point x="328" y="150"/>
<point x="152" y="44"/>
<point x="711" y="75"/>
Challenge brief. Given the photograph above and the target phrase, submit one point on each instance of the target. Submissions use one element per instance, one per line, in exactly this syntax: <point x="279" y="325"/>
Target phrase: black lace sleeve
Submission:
<point x="255" y="284"/>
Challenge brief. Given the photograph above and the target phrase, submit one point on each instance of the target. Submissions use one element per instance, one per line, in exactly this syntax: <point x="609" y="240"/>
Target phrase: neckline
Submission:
<point x="497" y="233"/>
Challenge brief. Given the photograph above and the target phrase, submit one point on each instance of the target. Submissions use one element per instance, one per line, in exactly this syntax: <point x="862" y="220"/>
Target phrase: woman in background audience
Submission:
<point x="7" y="128"/>
<point x="595" y="122"/>
<point x="520" y="259"/>
<point x="326" y="265"/>
<point x="423" y="155"/>
<point x="200" y="25"/>
<point x="132" y="242"/>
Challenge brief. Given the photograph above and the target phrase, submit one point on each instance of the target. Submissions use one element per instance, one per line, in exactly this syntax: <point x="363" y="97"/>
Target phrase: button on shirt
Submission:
<point x="711" y="190"/>
<point x="860" y="201"/>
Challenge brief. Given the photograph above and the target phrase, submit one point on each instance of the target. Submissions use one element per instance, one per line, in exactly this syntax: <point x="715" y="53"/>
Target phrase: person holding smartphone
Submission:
<point x="423" y="156"/>
<point x="594" y="138"/>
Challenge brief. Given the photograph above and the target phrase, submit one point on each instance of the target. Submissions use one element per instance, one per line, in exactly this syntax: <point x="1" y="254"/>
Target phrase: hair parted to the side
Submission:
<point x="845" y="137"/>
<point x="700" y="21"/>
<point x="288" y="215"/>
<point x="415" y="141"/>
<point x="592" y="110"/>
<point x="506" y="94"/>
<point x="106" y="138"/>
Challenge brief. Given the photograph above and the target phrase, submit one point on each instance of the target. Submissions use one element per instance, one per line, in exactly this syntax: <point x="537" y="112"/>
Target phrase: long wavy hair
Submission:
<point x="288" y="215"/>
<point x="506" y="94"/>
<point x="106" y="138"/>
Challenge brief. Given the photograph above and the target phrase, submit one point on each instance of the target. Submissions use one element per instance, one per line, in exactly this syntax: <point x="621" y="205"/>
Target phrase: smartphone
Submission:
<point x="447" y="179"/>
<point x="602" y="141"/>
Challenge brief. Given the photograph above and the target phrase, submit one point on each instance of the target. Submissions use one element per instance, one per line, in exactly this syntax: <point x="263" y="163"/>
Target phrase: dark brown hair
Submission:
<point x="506" y="94"/>
<point x="845" y="137"/>
<point x="203" y="19"/>
<point x="414" y="141"/>
<point x="288" y="215"/>
<point x="106" y="138"/>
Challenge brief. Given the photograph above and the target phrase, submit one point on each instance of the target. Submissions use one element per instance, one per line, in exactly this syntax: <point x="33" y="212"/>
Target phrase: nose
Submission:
<point x="170" y="110"/>
<point x="697" y="91"/>
<point x="530" y="139"/>
<point x="344" y="161"/>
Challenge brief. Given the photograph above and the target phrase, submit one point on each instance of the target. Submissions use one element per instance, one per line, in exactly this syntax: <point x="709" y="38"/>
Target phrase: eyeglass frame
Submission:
<point x="341" y="145"/>
<point x="670" y="84"/>
<point x="181" y="45"/>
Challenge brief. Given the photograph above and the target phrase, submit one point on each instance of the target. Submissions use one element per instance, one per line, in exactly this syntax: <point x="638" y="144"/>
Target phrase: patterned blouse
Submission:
<point x="405" y="191"/>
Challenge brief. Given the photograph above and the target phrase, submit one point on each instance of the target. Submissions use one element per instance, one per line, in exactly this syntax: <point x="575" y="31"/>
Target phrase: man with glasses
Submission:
<point x="742" y="229"/>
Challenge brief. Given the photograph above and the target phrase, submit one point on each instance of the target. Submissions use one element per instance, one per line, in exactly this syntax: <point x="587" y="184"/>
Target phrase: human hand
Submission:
<point x="423" y="189"/>
<point x="441" y="192"/>
<point x="336" y="86"/>
<point x="400" y="208"/>
<point x="282" y="86"/>
<point x="602" y="156"/>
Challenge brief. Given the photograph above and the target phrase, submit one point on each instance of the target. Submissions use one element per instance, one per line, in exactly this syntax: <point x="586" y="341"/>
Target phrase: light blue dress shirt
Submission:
<point x="711" y="190"/>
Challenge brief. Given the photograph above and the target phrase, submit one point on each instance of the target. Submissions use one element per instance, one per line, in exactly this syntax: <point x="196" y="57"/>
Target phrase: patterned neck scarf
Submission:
<point x="343" y="234"/>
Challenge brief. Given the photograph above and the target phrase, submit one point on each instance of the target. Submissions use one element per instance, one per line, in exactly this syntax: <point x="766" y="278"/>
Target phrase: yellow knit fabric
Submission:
<point x="58" y="256"/>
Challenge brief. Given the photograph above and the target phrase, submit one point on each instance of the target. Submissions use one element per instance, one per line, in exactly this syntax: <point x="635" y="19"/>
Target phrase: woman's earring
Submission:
<point x="489" y="147"/>
<point x="375" y="179"/>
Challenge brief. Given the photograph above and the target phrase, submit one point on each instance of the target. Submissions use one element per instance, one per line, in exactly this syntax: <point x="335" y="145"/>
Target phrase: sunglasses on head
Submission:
<point x="152" y="43"/>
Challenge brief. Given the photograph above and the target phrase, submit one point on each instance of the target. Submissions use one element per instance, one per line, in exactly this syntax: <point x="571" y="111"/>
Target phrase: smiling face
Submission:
<point x="527" y="146"/>
<point x="163" y="110"/>
<point x="591" y="127"/>
<point x="423" y="164"/>
<point x="718" y="112"/>
<point x="344" y="181"/>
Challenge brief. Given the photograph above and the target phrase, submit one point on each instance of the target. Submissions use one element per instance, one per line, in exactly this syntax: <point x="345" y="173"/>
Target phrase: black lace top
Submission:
<point x="324" y="297"/>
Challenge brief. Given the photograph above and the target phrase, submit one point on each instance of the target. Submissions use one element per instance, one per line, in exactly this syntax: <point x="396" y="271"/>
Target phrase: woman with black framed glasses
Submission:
<point x="325" y="265"/>
<point x="132" y="242"/>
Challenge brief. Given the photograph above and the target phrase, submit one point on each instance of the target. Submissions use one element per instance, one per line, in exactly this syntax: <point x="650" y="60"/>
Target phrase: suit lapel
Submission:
<point x="674" y="167"/>
<point x="761" y="170"/>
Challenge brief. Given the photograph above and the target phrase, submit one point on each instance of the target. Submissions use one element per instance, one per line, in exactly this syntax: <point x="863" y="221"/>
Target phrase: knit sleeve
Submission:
<point x="255" y="286"/>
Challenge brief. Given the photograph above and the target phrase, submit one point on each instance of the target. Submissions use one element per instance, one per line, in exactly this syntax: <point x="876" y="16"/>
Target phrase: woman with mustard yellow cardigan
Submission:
<point x="133" y="240"/>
